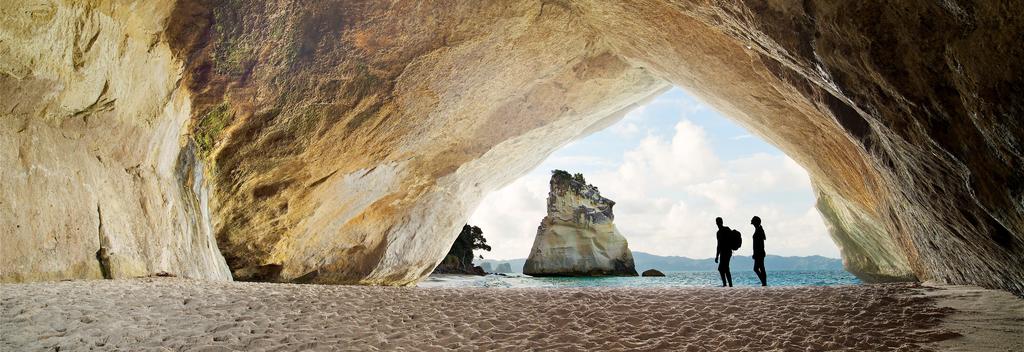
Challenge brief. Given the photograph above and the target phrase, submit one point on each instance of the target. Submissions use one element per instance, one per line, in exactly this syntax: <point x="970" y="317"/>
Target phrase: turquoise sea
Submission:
<point x="671" y="279"/>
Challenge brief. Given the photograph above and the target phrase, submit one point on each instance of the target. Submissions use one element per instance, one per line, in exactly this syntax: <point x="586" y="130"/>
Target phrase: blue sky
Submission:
<point x="672" y="166"/>
<point x="658" y="118"/>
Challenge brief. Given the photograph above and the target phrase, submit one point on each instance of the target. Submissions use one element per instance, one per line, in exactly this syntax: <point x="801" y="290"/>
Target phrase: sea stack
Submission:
<point x="578" y="236"/>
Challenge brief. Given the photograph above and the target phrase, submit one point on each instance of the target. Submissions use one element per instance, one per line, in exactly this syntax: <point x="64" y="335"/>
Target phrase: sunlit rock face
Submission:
<point x="97" y="180"/>
<point x="362" y="135"/>
<point x="578" y="236"/>
<point x="346" y="142"/>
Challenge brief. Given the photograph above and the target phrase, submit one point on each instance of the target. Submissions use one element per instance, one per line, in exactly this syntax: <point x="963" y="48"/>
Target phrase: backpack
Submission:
<point x="737" y="240"/>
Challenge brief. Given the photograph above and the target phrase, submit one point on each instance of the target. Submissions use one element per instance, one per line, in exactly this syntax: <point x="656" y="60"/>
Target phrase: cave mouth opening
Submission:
<point x="671" y="165"/>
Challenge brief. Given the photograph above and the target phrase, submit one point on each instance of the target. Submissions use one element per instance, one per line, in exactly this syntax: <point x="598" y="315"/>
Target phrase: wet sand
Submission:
<point x="178" y="314"/>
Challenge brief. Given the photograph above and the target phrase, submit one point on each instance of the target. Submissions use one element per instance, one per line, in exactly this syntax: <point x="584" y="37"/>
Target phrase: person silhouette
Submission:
<point x="723" y="251"/>
<point x="759" y="251"/>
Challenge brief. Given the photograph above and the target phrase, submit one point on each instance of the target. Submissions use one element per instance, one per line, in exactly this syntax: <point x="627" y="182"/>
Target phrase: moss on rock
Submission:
<point x="210" y="126"/>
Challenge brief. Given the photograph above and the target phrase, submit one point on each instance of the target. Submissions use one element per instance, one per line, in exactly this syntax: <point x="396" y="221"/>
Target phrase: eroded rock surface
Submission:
<point x="347" y="141"/>
<point x="96" y="177"/>
<point x="578" y="236"/>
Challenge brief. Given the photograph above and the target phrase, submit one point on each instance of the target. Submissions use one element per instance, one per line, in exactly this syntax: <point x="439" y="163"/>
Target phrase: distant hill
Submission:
<point x="517" y="264"/>
<point x="646" y="261"/>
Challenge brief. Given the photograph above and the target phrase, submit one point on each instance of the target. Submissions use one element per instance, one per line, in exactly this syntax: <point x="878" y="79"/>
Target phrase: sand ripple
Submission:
<point x="178" y="314"/>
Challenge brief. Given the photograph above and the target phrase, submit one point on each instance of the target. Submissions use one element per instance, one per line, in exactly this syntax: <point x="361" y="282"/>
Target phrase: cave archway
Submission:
<point x="342" y="142"/>
<point x="762" y="71"/>
<point x="671" y="166"/>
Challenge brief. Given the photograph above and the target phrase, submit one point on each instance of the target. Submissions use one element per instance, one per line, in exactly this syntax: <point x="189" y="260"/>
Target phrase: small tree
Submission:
<point x="578" y="177"/>
<point x="471" y="238"/>
<point x="561" y="174"/>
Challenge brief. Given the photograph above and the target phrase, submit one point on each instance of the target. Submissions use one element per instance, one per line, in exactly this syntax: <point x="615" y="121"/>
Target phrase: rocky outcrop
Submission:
<point x="459" y="259"/>
<point x="341" y="141"/>
<point x="652" y="273"/>
<point x="578" y="236"/>
<point x="451" y="265"/>
<point x="503" y="268"/>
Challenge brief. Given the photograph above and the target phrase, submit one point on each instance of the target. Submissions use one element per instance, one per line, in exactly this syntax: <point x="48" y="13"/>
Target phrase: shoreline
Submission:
<point x="182" y="314"/>
<point x="671" y="279"/>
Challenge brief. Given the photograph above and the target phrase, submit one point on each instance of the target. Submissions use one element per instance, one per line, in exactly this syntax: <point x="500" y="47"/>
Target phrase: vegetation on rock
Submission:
<point x="460" y="257"/>
<point x="564" y="175"/>
<point x="576" y="181"/>
<point x="231" y="52"/>
<point x="210" y="126"/>
<point x="560" y="175"/>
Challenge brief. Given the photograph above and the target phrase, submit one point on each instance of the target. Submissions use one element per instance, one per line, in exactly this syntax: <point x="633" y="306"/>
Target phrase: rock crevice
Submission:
<point x="102" y="255"/>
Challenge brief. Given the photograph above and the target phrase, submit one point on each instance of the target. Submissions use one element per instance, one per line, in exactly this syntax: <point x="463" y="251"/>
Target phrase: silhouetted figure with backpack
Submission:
<point x="728" y="241"/>
<point x="759" y="251"/>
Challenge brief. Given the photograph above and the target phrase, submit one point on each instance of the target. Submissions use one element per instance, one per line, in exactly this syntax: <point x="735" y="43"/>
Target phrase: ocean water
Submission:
<point x="671" y="279"/>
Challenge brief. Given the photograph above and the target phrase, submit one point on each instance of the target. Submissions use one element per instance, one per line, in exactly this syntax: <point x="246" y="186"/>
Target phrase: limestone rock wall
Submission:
<point x="903" y="114"/>
<point x="346" y="141"/>
<point x="578" y="236"/>
<point x="362" y="134"/>
<point x="97" y="180"/>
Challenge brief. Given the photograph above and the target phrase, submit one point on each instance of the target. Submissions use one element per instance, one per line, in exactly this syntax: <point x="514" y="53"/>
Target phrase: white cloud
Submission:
<point x="657" y="163"/>
<point x="579" y="161"/>
<point x="509" y="216"/>
<point x="625" y="130"/>
<point x="721" y="192"/>
<point x="801" y="235"/>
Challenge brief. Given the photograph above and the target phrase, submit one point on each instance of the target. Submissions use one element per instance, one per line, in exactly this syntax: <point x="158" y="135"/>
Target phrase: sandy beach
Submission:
<point x="178" y="314"/>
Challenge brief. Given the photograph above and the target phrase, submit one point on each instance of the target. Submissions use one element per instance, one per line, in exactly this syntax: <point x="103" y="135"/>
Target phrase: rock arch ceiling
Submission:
<point x="344" y="142"/>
